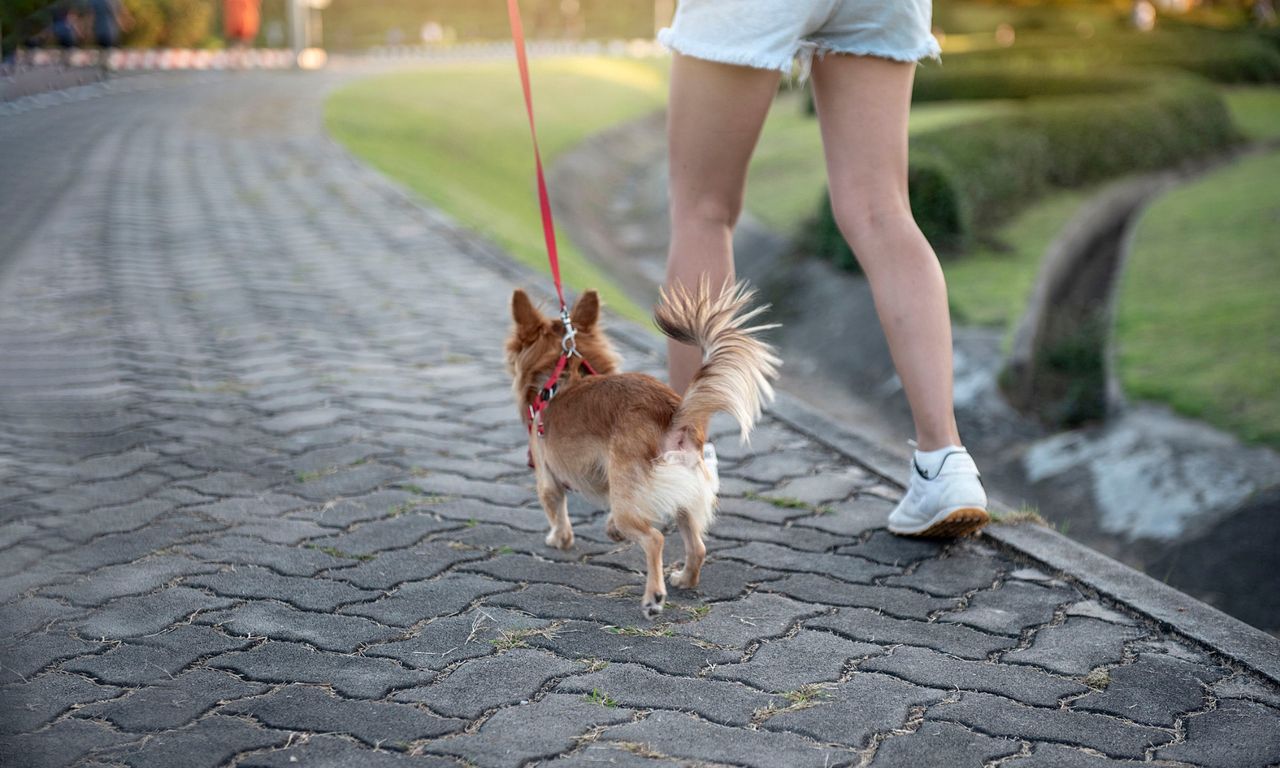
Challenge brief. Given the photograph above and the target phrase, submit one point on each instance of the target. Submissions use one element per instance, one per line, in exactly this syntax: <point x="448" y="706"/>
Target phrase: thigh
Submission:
<point x="714" y="118"/>
<point x="863" y="104"/>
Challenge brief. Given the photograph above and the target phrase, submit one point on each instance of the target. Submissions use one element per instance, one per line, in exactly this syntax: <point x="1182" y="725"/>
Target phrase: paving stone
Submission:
<point x="356" y="676"/>
<point x="127" y="547"/>
<point x="826" y="487"/>
<point x="441" y="483"/>
<point x="775" y="466"/>
<point x="339" y="752"/>
<point x="446" y="641"/>
<point x="595" y="754"/>
<point x="962" y="747"/>
<point x="682" y="735"/>
<point x="302" y="707"/>
<point x="311" y="594"/>
<point x="347" y="481"/>
<point x="29" y="705"/>
<point x="325" y="459"/>
<point x="555" y="602"/>
<point x="27" y="656"/>
<point x="1075" y="646"/>
<point x="950" y="576"/>
<point x="1235" y="733"/>
<point x="632" y="685"/>
<point x="387" y="569"/>
<point x="787" y="664"/>
<point x="813" y="588"/>
<point x="61" y="744"/>
<point x="1058" y="756"/>
<point x="172" y="702"/>
<point x="766" y="508"/>
<point x="580" y="576"/>
<point x="209" y="742"/>
<point x="998" y="716"/>
<point x="1011" y="608"/>
<point x="1245" y="687"/>
<point x="114" y="581"/>
<point x="541" y="729"/>
<point x="295" y="421"/>
<point x="345" y="512"/>
<point x="385" y="534"/>
<point x="469" y="511"/>
<point x="1155" y="690"/>
<point x="667" y="654"/>
<point x="146" y="660"/>
<point x="223" y="483"/>
<point x="850" y="713"/>
<point x="415" y="601"/>
<point x="842" y="567"/>
<point x="493" y="681"/>
<point x="147" y="614"/>
<point x="938" y="670"/>
<point x="30" y="614"/>
<point x="499" y="539"/>
<point x="278" y="621"/>
<point x="288" y="560"/>
<point x="739" y="622"/>
<point x="289" y="532"/>
<point x="884" y="547"/>
<point x="1096" y="610"/>
<point x="851" y="518"/>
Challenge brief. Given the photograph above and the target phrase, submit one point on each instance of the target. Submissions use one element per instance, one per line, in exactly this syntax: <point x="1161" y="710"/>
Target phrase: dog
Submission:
<point x="627" y="440"/>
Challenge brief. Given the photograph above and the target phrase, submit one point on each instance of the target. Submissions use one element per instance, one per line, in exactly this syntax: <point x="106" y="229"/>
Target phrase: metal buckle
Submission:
<point x="567" y="344"/>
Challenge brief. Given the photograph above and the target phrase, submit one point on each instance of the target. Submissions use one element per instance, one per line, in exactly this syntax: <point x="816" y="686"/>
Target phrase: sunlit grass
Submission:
<point x="1197" y="317"/>
<point x="457" y="136"/>
<point x="1256" y="110"/>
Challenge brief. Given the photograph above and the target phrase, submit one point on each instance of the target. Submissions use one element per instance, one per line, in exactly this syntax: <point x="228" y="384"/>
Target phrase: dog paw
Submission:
<point x="560" y="540"/>
<point x="613" y="532"/>
<point x="652" y="607"/>
<point x="682" y="579"/>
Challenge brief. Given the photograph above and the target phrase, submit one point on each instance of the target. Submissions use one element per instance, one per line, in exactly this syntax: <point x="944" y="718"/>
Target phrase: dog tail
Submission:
<point x="737" y="366"/>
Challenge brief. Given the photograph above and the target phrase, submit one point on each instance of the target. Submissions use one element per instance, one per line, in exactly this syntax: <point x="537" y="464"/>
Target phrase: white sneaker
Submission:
<point x="944" y="498"/>
<point x="713" y="463"/>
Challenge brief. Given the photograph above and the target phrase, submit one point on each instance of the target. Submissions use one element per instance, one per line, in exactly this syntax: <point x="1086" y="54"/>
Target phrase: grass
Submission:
<point x="599" y="698"/>
<point x="1197" y="313"/>
<point x="457" y="135"/>
<point x="1256" y="110"/>
<point x="786" y="502"/>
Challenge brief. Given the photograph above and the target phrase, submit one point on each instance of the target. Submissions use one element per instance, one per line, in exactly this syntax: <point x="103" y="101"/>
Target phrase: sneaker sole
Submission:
<point x="956" y="523"/>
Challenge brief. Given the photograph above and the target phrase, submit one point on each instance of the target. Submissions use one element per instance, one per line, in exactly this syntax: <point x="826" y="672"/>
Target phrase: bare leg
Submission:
<point x="863" y="104"/>
<point x="694" y="553"/>
<point x="713" y="122"/>
<point x="556" y="505"/>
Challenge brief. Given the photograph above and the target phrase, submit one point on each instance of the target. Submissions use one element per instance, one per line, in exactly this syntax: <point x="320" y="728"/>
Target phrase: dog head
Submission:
<point x="534" y="345"/>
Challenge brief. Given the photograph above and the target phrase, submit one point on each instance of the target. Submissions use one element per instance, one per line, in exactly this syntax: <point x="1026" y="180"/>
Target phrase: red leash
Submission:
<point x="567" y="346"/>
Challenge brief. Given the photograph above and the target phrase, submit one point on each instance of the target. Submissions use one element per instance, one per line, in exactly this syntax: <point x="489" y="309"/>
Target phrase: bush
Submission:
<point x="964" y="179"/>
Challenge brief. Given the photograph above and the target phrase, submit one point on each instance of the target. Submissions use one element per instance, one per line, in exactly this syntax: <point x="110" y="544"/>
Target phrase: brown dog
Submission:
<point x="628" y="440"/>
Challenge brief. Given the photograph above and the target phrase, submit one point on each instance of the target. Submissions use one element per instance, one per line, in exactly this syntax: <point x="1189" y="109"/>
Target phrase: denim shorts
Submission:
<point x="775" y="34"/>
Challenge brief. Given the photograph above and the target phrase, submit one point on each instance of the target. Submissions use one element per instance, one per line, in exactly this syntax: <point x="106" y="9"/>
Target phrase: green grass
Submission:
<point x="1256" y="110"/>
<point x="457" y="135"/>
<point x="787" y="179"/>
<point x="1197" y="313"/>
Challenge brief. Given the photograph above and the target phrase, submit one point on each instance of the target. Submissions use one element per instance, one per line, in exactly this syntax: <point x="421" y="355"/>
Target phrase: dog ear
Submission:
<point x="586" y="311"/>
<point x="526" y="315"/>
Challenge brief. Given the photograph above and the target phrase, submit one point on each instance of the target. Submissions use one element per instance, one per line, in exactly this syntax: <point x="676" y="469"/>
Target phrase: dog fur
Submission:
<point x="627" y="440"/>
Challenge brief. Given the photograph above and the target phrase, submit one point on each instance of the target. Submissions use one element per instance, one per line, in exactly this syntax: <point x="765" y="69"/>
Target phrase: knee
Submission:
<point x="707" y="211"/>
<point x="867" y="221"/>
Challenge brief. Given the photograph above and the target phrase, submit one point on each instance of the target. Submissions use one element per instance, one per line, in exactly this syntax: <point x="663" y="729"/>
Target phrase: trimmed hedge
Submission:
<point x="964" y="179"/>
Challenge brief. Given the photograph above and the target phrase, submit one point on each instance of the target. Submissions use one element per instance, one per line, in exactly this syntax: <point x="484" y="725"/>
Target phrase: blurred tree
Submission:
<point x="168" y="23"/>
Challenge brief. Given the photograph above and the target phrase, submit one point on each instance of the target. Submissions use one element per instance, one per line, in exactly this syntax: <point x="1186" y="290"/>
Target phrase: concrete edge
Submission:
<point x="1201" y="623"/>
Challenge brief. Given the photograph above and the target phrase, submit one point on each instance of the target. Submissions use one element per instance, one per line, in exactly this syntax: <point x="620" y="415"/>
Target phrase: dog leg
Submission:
<point x="695" y="552"/>
<point x="555" y="503"/>
<point x="650" y="540"/>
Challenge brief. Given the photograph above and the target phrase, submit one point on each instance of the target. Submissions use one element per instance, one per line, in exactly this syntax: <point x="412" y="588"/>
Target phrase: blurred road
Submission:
<point x="263" y="501"/>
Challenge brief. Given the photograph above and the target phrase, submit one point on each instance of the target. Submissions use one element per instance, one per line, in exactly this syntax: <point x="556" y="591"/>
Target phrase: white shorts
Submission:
<point x="773" y="34"/>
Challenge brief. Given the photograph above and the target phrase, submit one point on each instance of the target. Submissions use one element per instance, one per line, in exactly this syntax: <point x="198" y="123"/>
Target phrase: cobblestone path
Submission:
<point x="263" y="502"/>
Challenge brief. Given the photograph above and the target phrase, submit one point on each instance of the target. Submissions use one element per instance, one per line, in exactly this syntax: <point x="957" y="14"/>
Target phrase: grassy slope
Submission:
<point x="457" y="136"/>
<point x="1197" y="316"/>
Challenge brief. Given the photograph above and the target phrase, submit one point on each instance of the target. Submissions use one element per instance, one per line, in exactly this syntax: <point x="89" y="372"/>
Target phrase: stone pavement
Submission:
<point x="263" y="502"/>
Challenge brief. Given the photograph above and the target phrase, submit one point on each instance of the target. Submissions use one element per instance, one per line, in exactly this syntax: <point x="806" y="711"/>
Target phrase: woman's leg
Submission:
<point x="713" y="121"/>
<point x="863" y="104"/>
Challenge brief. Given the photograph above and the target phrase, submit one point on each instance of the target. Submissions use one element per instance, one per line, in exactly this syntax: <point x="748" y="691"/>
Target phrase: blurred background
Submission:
<point x="1099" y="177"/>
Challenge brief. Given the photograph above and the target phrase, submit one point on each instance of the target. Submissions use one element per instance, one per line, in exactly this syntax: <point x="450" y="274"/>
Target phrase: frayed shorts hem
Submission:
<point x="803" y="57"/>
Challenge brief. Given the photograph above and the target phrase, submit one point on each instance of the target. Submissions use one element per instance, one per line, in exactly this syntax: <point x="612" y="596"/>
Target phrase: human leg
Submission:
<point x="714" y="119"/>
<point x="863" y="106"/>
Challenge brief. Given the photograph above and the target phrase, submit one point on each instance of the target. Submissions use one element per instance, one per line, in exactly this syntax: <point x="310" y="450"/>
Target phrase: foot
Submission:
<point x="713" y="463"/>
<point x="944" y="498"/>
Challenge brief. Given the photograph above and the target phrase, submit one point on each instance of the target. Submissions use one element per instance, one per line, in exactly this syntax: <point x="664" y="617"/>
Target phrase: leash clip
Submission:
<point x="567" y="343"/>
